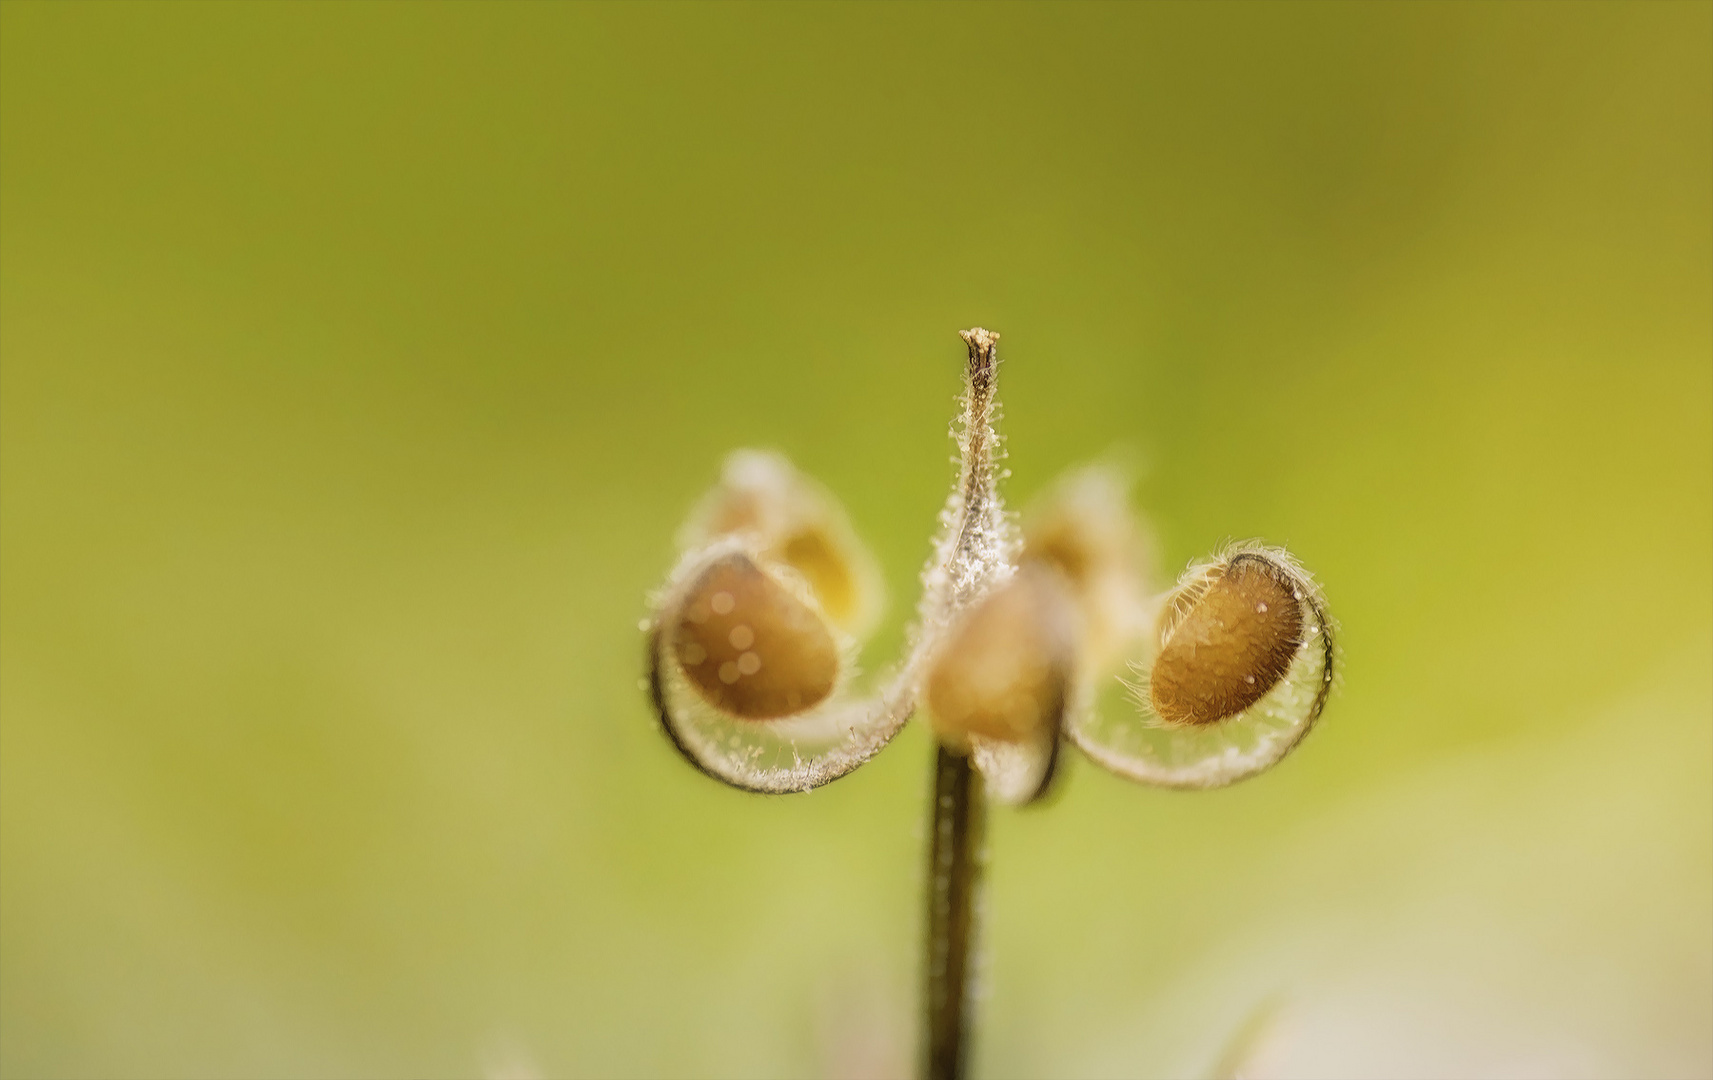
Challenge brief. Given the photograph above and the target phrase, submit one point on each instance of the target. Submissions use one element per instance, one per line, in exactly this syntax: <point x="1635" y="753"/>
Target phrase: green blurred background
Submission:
<point x="357" y="364"/>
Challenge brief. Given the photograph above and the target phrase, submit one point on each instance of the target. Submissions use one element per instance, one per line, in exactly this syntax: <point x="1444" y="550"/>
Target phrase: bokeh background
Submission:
<point x="358" y="363"/>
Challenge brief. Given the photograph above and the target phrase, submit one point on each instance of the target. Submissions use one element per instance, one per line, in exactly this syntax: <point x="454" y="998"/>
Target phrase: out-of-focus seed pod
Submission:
<point x="1084" y="526"/>
<point x="1228" y="638"/>
<point x="749" y="646"/>
<point x="1005" y="669"/>
<point x="790" y="519"/>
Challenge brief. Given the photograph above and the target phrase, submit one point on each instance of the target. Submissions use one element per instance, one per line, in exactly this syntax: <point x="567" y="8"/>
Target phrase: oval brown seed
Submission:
<point x="1006" y="668"/>
<point x="1233" y="641"/>
<point x="751" y="648"/>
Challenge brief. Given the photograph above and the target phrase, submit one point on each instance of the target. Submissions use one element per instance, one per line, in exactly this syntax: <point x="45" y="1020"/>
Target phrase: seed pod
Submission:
<point x="1229" y="637"/>
<point x="790" y="519"/>
<point x="1005" y="670"/>
<point x="749" y="646"/>
<point x="1084" y="526"/>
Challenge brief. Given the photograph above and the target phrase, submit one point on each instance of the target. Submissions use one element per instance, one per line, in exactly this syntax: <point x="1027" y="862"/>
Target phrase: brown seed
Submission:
<point x="751" y="648"/>
<point x="1006" y="668"/>
<point x="1234" y="637"/>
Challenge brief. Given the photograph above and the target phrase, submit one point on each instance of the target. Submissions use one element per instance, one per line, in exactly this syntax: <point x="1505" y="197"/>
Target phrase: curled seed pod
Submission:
<point x="749" y="646"/>
<point x="745" y="676"/>
<point x="1005" y="670"/>
<point x="1243" y="668"/>
<point x="790" y="519"/>
<point x="1228" y="639"/>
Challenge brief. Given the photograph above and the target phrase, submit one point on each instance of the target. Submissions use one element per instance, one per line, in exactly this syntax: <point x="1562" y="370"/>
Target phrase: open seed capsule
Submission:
<point x="1228" y="639"/>
<point x="750" y="646"/>
<point x="1005" y="671"/>
<point x="1243" y="665"/>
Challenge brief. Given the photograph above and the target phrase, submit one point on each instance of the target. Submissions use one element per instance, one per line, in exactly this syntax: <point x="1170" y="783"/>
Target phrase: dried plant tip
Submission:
<point x="749" y="646"/>
<point x="1228" y="640"/>
<point x="1004" y="672"/>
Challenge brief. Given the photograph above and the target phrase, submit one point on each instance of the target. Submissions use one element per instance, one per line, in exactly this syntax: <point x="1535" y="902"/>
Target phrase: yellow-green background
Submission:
<point x="359" y="363"/>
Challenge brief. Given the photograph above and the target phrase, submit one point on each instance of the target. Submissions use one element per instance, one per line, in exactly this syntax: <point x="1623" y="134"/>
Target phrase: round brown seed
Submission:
<point x="1233" y="641"/>
<point x="1006" y="668"/>
<point x="751" y="648"/>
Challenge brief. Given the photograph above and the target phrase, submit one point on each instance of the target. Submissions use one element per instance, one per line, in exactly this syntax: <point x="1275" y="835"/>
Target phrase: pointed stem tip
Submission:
<point x="984" y="353"/>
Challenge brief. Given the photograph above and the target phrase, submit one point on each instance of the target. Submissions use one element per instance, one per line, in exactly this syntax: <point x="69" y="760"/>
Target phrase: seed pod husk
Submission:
<point x="1228" y="639"/>
<point x="749" y="645"/>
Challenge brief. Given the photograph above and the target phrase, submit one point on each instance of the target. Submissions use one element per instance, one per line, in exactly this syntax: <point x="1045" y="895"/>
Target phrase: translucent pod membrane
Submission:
<point x="1239" y="671"/>
<point x="1001" y="680"/>
<point x="745" y="673"/>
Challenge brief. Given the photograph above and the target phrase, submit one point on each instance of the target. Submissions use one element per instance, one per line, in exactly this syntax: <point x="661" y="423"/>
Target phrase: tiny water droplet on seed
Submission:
<point x="741" y="637"/>
<point x="722" y="603"/>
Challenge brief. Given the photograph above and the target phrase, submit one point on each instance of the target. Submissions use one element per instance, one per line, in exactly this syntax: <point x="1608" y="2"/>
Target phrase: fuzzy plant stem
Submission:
<point x="954" y="877"/>
<point x="977" y="546"/>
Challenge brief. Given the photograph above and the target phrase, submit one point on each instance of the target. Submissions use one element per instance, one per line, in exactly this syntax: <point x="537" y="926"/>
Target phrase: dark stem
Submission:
<point x="954" y="876"/>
